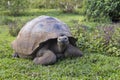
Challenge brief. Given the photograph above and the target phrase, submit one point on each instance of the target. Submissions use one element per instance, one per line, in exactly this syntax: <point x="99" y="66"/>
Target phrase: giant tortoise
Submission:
<point x="45" y="39"/>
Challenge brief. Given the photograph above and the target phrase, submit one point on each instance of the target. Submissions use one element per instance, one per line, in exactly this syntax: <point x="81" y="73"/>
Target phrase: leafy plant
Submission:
<point x="104" y="39"/>
<point x="15" y="7"/>
<point x="102" y="9"/>
<point x="66" y="6"/>
<point x="112" y="40"/>
<point x="15" y="26"/>
<point x="5" y="20"/>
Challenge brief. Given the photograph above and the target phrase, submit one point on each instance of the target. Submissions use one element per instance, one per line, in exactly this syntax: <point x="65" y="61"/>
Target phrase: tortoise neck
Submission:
<point x="61" y="47"/>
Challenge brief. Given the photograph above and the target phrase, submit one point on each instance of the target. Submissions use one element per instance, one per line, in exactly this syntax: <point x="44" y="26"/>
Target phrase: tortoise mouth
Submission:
<point x="63" y="43"/>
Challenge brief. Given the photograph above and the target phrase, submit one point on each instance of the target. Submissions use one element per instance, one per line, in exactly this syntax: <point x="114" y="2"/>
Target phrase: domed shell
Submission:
<point x="37" y="31"/>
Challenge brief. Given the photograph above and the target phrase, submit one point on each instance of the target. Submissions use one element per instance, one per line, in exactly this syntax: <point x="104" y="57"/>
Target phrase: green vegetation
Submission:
<point x="15" y="7"/>
<point x="98" y="39"/>
<point x="101" y="9"/>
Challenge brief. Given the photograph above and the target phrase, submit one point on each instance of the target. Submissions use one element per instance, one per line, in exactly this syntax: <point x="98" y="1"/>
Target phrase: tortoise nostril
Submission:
<point x="65" y="39"/>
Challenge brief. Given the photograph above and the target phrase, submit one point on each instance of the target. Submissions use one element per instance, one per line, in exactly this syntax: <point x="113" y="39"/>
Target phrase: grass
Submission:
<point x="92" y="66"/>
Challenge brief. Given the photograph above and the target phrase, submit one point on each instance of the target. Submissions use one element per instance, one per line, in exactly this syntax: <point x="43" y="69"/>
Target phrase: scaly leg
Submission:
<point x="45" y="57"/>
<point x="15" y="55"/>
<point x="72" y="51"/>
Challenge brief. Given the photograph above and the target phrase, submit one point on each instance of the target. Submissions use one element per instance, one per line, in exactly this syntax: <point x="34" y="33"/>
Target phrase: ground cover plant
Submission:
<point x="99" y="41"/>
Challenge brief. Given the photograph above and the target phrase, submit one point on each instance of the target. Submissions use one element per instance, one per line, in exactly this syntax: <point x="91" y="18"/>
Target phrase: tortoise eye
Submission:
<point x="58" y="39"/>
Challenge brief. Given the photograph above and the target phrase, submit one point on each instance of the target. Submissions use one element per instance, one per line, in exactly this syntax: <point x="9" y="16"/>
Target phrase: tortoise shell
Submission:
<point x="36" y="31"/>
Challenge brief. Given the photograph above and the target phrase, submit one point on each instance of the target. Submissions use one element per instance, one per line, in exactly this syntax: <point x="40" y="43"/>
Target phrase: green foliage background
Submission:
<point x="15" y="7"/>
<point x="101" y="9"/>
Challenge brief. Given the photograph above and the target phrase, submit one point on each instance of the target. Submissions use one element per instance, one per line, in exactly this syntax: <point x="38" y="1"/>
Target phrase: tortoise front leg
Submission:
<point x="60" y="56"/>
<point x="15" y="55"/>
<point x="45" y="57"/>
<point x="72" y="51"/>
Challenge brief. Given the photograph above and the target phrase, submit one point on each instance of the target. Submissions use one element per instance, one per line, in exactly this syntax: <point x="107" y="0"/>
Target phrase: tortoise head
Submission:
<point x="62" y="42"/>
